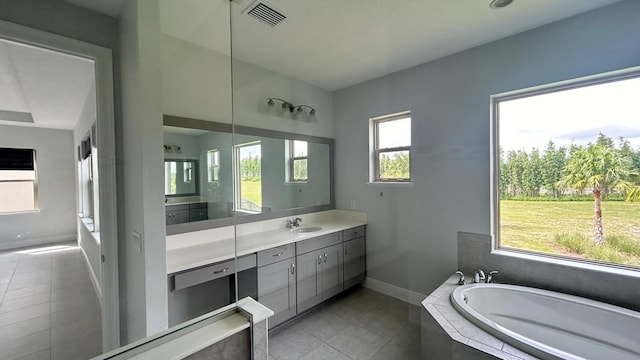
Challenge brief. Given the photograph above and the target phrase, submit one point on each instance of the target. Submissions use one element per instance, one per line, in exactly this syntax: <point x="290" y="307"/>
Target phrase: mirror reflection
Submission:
<point x="275" y="173"/>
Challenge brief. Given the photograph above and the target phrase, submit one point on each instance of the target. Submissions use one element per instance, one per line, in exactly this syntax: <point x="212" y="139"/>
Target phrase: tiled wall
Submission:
<point x="623" y="289"/>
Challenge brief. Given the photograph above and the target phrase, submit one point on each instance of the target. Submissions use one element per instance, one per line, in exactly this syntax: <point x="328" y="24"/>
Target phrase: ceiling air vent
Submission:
<point x="266" y="14"/>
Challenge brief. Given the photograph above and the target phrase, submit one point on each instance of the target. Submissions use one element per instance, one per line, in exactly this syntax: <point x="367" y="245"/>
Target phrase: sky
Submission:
<point x="574" y="116"/>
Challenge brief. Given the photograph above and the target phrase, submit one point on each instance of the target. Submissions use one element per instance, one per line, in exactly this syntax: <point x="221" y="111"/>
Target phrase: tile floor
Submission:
<point x="362" y="325"/>
<point x="48" y="307"/>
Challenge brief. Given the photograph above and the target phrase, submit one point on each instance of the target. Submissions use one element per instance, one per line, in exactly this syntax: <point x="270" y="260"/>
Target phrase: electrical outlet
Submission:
<point x="353" y="204"/>
<point x="136" y="240"/>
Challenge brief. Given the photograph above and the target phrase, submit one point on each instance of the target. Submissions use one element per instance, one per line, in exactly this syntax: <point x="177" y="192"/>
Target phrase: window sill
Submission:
<point x="391" y="184"/>
<point x="584" y="265"/>
<point x="26" y="212"/>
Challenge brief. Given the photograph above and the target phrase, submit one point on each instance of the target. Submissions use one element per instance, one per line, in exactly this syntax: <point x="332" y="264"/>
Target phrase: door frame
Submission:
<point x="103" y="61"/>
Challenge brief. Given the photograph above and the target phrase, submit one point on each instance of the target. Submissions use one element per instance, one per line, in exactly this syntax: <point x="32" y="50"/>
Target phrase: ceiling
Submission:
<point x="336" y="43"/>
<point x="52" y="87"/>
<point x="330" y="43"/>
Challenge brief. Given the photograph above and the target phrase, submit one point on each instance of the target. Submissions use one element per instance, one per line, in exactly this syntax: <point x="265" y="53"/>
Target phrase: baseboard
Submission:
<point x="397" y="292"/>
<point x="92" y="276"/>
<point x="24" y="243"/>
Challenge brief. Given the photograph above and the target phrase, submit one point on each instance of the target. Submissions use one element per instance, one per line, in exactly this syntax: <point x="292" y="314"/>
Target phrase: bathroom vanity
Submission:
<point x="290" y="272"/>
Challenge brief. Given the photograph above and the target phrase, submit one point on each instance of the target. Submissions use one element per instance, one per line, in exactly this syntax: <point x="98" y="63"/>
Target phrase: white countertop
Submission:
<point x="222" y="248"/>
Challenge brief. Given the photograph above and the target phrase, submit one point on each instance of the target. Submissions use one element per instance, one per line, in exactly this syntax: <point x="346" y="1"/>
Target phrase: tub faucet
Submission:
<point x="478" y="276"/>
<point x="490" y="276"/>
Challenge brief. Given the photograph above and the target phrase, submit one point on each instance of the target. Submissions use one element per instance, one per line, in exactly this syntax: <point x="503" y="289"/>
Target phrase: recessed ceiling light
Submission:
<point x="497" y="4"/>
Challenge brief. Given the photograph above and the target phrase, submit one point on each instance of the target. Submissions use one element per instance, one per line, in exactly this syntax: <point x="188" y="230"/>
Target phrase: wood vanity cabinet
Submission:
<point x="277" y="282"/>
<point x="320" y="274"/>
<point x="354" y="257"/>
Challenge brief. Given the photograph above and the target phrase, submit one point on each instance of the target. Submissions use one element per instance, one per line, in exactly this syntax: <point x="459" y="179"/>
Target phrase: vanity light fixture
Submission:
<point x="297" y="110"/>
<point x="497" y="4"/>
<point x="172" y="149"/>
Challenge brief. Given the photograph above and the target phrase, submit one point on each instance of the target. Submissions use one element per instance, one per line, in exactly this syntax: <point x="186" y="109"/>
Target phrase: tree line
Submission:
<point x="560" y="171"/>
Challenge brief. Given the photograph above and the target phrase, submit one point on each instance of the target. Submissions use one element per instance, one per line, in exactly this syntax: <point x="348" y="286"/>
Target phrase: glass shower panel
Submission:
<point x="196" y="92"/>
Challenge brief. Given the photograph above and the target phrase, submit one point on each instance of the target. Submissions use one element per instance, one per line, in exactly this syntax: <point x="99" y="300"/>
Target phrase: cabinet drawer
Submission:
<point x="176" y="207"/>
<point x="270" y="256"/>
<point x="356" y="232"/>
<point x="198" y="214"/>
<point x="198" y="206"/>
<point x="319" y="242"/>
<point x="207" y="273"/>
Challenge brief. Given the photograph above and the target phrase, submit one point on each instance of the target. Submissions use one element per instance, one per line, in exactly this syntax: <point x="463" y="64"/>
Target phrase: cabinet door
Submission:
<point x="354" y="262"/>
<point x="277" y="290"/>
<point x="332" y="274"/>
<point x="308" y="285"/>
<point x="177" y="217"/>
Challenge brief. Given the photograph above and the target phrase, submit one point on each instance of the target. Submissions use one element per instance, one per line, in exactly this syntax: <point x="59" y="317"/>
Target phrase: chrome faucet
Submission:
<point x="461" y="277"/>
<point x="490" y="276"/>
<point x="478" y="276"/>
<point x="295" y="223"/>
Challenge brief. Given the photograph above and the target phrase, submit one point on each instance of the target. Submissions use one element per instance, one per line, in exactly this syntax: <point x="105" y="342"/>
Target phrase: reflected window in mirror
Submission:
<point x="249" y="180"/>
<point x="180" y="179"/>
<point x="298" y="161"/>
<point x="213" y="164"/>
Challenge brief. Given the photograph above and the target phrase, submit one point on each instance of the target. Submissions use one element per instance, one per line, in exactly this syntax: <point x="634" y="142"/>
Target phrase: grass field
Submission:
<point x="566" y="228"/>
<point x="252" y="190"/>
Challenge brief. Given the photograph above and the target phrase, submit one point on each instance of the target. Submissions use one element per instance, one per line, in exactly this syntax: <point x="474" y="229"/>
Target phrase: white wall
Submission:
<point x="56" y="219"/>
<point x="412" y="233"/>
<point x="143" y="281"/>
<point x="196" y="83"/>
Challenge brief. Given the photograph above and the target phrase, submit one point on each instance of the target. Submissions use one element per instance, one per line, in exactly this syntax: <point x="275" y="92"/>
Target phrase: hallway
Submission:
<point x="48" y="307"/>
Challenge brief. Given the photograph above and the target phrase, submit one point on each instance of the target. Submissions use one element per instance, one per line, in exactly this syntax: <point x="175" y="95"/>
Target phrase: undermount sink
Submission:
<point x="307" y="229"/>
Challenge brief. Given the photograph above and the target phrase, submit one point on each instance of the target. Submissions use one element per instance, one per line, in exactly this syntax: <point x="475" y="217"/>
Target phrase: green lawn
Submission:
<point x="252" y="190"/>
<point x="566" y="227"/>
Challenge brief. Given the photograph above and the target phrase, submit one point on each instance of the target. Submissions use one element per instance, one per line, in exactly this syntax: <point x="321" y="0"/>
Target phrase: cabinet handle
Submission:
<point x="293" y="268"/>
<point x="278" y="254"/>
<point x="221" y="271"/>
<point x="346" y="250"/>
<point x="325" y="257"/>
<point x="319" y="259"/>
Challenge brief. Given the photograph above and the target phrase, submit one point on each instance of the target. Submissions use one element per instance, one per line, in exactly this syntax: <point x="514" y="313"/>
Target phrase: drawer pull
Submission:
<point x="278" y="254"/>
<point x="346" y="250"/>
<point x="293" y="268"/>
<point x="319" y="259"/>
<point x="221" y="271"/>
<point x="325" y="257"/>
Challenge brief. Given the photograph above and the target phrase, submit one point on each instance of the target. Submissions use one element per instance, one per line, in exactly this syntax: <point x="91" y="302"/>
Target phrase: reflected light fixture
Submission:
<point x="498" y="4"/>
<point x="297" y="110"/>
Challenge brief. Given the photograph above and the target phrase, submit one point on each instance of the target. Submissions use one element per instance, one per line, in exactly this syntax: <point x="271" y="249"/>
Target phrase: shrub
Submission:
<point x="623" y="244"/>
<point x="605" y="253"/>
<point x="576" y="243"/>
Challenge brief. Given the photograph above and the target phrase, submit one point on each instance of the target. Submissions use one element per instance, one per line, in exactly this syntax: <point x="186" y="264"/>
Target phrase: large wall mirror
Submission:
<point x="215" y="178"/>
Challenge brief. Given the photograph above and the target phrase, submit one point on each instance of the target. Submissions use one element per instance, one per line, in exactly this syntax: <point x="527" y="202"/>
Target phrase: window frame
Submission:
<point x="213" y="176"/>
<point x="494" y="181"/>
<point x="376" y="150"/>
<point x="238" y="178"/>
<point x="291" y="162"/>
<point x="34" y="181"/>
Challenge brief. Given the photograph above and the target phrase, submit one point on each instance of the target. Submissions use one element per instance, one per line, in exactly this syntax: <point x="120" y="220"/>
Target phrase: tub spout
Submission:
<point x="478" y="276"/>
<point x="490" y="276"/>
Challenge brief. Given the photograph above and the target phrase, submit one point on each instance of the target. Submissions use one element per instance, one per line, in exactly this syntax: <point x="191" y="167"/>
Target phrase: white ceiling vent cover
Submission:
<point x="266" y="14"/>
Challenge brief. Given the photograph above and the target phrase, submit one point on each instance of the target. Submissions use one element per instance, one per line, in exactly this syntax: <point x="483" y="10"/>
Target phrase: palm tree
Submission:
<point x="634" y="194"/>
<point x="599" y="168"/>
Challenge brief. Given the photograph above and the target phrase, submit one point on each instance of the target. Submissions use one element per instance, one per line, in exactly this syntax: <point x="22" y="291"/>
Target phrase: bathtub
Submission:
<point x="551" y="325"/>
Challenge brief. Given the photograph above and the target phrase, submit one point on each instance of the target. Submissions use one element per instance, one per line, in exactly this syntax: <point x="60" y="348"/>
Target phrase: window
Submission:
<point x="248" y="160"/>
<point x="298" y="161"/>
<point x="18" y="185"/>
<point x="213" y="164"/>
<point x="566" y="169"/>
<point x="391" y="148"/>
